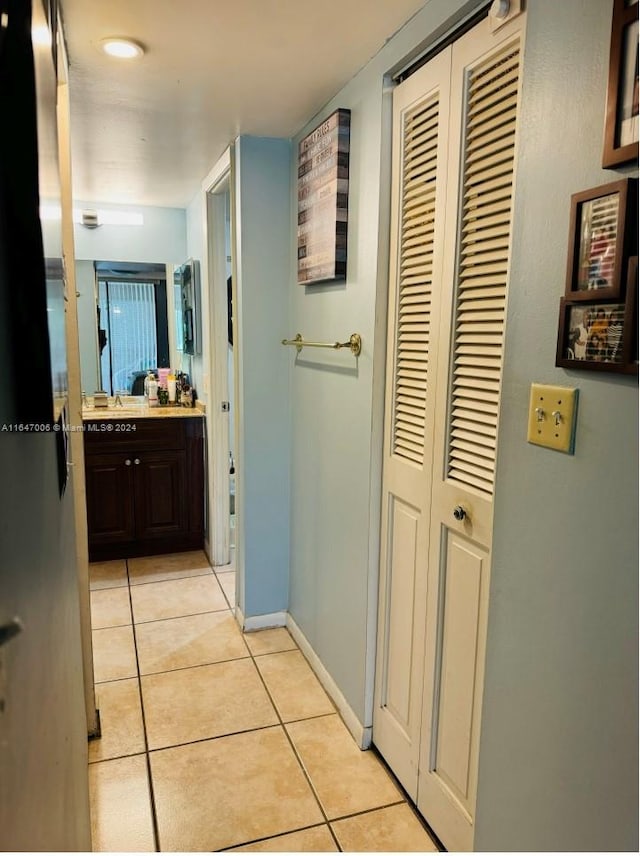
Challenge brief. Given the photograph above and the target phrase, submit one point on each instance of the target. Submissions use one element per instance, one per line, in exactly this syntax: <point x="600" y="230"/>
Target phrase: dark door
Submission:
<point x="110" y="497"/>
<point x="160" y="491"/>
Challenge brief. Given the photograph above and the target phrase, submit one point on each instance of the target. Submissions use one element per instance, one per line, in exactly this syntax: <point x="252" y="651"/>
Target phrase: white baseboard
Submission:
<point x="261" y="622"/>
<point x="360" y="733"/>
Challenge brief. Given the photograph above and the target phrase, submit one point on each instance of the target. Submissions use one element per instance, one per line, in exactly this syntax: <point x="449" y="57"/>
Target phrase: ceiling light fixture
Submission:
<point x="122" y="48"/>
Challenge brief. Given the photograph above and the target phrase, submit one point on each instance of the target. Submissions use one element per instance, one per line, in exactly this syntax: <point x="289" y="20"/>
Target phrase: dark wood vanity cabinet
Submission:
<point x="145" y="486"/>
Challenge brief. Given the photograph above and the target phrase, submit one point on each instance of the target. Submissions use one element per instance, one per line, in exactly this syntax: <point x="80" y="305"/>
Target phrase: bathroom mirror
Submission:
<point x="127" y="323"/>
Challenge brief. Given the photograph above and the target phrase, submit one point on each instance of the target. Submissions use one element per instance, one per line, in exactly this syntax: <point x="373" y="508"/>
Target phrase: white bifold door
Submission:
<point x="454" y="139"/>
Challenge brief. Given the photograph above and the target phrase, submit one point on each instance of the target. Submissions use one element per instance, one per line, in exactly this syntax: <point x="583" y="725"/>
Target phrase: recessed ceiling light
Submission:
<point x="122" y="48"/>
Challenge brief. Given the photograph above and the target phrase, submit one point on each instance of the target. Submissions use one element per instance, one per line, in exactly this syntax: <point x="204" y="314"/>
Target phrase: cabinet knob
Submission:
<point x="127" y="463"/>
<point x="459" y="512"/>
<point x="136" y="461"/>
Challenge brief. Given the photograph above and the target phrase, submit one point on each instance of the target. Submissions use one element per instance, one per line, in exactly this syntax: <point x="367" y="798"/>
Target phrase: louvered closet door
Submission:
<point x="417" y="238"/>
<point x="484" y="93"/>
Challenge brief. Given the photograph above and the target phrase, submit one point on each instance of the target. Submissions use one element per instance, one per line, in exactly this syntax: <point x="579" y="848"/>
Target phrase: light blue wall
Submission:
<point x="559" y="746"/>
<point x="337" y="402"/>
<point x="162" y="237"/>
<point x="261" y="186"/>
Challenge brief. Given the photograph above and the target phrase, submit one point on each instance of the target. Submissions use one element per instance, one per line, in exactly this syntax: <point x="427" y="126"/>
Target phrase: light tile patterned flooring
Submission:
<point x="217" y="740"/>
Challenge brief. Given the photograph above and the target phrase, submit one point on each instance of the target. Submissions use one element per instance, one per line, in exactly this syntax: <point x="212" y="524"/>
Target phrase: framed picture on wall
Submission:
<point x="632" y="303"/>
<point x="594" y="336"/>
<point x="601" y="237"/>
<point x="323" y="193"/>
<point x="621" y="118"/>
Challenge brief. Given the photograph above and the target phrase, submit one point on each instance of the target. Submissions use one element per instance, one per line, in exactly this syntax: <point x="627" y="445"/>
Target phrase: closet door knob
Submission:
<point x="127" y="463"/>
<point x="459" y="513"/>
<point x="136" y="461"/>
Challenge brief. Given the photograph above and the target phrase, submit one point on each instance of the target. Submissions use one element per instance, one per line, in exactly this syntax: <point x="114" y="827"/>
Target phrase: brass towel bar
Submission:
<point x="354" y="344"/>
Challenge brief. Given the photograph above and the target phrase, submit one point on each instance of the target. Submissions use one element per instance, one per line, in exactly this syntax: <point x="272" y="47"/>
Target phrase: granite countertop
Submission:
<point x="135" y="407"/>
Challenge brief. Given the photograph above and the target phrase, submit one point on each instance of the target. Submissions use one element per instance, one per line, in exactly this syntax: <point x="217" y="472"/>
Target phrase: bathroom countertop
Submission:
<point x="136" y="408"/>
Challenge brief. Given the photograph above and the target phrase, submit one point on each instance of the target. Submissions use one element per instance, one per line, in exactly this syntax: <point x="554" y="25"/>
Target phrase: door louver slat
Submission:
<point x="483" y="264"/>
<point x="419" y="167"/>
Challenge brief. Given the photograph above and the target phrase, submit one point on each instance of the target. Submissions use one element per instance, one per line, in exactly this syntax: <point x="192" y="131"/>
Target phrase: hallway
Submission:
<point x="217" y="740"/>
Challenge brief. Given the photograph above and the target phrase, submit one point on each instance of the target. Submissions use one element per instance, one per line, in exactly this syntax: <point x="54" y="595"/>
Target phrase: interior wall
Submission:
<point x="337" y="401"/>
<point x="162" y="237"/>
<point x="261" y="177"/>
<point x="43" y="730"/>
<point x="559" y="745"/>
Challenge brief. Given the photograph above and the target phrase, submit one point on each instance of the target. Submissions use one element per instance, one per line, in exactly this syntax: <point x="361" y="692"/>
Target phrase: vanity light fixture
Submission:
<point x="122" y="48"/>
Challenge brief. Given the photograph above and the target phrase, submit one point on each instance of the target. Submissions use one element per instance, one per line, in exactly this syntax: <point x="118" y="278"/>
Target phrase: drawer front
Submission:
<point x="138" y="434"/>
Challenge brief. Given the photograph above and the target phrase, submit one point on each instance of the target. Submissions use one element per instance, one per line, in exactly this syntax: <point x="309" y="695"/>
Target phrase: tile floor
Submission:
<point x="217" y="740"/>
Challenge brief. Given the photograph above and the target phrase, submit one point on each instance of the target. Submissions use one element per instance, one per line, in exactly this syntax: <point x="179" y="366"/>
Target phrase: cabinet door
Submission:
<point x="160" y="494"/>
<point x="110" y="513"/>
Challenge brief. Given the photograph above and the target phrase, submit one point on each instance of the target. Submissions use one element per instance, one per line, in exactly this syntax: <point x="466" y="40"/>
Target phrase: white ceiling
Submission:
<point x="148" y="131"/>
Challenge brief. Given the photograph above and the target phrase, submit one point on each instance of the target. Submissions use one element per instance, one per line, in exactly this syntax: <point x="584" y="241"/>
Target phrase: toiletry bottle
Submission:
<point x="163" y="374"/>
<point x="153" y="392"/>
<point x="171" y="386"/>
<point x="148" y="378"/>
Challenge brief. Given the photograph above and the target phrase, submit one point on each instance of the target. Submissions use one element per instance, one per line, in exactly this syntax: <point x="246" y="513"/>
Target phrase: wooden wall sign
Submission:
<point x="323" y="192"/>
<point x="621" y="122"/>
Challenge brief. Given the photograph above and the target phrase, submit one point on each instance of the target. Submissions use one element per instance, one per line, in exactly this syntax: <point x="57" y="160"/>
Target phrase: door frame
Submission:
<point x="215" y="188"/>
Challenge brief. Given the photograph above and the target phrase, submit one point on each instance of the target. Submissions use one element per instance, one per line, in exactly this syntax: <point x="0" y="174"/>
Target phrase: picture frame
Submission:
<point x="632" y="307"/>
<point x="323" y="197"/>
<point x="601" y="237"/>
<point x="599" y="335"/>
<point x="621" y="116"/>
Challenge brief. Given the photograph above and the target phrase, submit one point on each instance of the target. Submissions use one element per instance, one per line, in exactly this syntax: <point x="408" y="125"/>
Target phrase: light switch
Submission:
<point x="552" y="417"/>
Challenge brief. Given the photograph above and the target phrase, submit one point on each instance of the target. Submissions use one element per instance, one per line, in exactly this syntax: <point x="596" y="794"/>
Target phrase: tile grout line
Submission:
<point x="111" y="626"/>
<point x="189" y="576"/>
<point x="194" y="666"/>
<point x="297" y="756"/>
<point x="363" y="811"/>
<point x="188" y="615"/>
<point x="152" y="801"/>
<point x="270" y="837"/>
<point x="230" y="734"/>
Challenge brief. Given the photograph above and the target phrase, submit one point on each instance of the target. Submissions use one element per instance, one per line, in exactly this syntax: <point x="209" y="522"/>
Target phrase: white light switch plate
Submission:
<point x="552" y="417"/>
